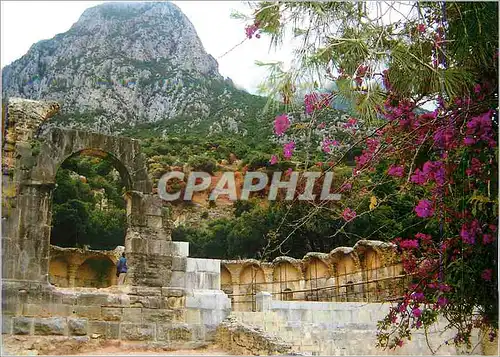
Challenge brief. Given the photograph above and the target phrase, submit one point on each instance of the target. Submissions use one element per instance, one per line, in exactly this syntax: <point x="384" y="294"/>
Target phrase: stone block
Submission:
<point x="113" y="330"/>
<point x="92" y="299"/>
<point x="22" y="325"/>
<point x="111" y="313"/>
<point x="146" y="291"/>
<point x="157" y="315"/>
<point x="193" y="316"/>
<point x="6" y="324"/>
<point x="173" y="302"/>
<point x="69" y="299"/>
<point x="179" y="263"/>
<point x="132" y="314"/>
<point x="175" y="248"/>
<point x="77" y="327"/>
<point x="179" y="315"/>
<point x="139" y="245"/>
<point x="90" y="312"/>
<point x="97" y="327"/>
<point x="170" y="291"/>
<point x="154" y="246"/>
<point x="138" y="332"/>
<point x="178" y="279"/>
<point x="116" y="300"/>
<point x="51" y="326"/>
<point x="153" y="302"/>
<point x="180" y="332"/>
<point x="35" y="310"/>
<point x="162" y="332"/>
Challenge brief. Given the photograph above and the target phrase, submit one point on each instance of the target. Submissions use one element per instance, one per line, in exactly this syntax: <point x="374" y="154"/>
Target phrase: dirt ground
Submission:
<point x="84" y="346"/>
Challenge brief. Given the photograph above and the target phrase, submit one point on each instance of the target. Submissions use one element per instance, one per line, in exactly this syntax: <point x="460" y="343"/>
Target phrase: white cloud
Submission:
<point x="27" y="22"/>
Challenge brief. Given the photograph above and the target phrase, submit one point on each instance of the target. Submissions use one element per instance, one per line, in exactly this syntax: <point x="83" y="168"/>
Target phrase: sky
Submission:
<point x="24" y="23"/>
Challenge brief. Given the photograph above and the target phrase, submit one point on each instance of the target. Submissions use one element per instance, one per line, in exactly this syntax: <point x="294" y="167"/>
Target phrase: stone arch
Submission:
<point x="97" y="272"/>
<point x="252" y="273"/>
<point x="285" y="276"/>
<point x="30" y="171"/>
<point x="58" y="144"/>
<point x="317" y="275"/>
<point x="226" y="280"/>
<point x="252" y="281"/>
<point x="58" y="271"/>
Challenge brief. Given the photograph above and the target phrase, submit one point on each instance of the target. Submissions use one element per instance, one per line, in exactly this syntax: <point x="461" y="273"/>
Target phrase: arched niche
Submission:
<point x="58" y="272"/>
<point x="285" y="276"/>
<point x="226" y="280"/>
<point x="96" y="272"/>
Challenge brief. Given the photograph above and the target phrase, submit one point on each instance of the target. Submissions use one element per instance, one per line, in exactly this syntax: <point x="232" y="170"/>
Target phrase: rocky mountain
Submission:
<point x="133" y="66"/>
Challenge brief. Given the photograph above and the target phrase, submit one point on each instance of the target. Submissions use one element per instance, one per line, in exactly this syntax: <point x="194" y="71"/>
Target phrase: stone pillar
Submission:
<point x="263" y="301"/>
<point x="72" y="268"/>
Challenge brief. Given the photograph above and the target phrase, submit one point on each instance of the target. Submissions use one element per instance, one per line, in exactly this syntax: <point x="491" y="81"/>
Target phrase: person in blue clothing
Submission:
<point x="121" y="269"/>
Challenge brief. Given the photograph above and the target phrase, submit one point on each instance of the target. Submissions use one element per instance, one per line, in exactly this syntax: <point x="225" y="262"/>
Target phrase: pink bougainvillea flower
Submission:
<point x="477" y="88"/>
<point x="469" y="231"/>
<point x="288" y="149"/>
<point x="327" y="145"/>
<point x="488" y="238"/>
<point x="281" y="124"/>
<point x="416" y="312"/>
<point x="424" y="238"/>
<point x="418" y="177"/>
<point x="274" y="160"/>
<point x="442" y="301"/>
<point x="421" y="28"/>
<point x="486" y="274"/>
<point x="418" y="296"/>
<point x="348" y="214"/>
<point x="400" y="343"/>
<point x="251" y="30"/>
<point x="397" y="171"/>
<point x="289" y="171"/>
<point x="409" y="244"/>
<point x="346" y="186"/>
<point x="424" y="209"/>
<point x="322" y="125"/>
<point x="316" y="101"/>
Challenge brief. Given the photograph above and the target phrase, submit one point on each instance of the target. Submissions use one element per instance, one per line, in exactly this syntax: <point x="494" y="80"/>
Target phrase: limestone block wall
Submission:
<point x="125" y="312"/>
<point x="336" y="328"/>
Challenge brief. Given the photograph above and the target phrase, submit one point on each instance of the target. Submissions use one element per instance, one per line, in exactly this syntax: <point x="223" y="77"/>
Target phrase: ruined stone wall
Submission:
<point x="369" y="271"/>
<point x="241" y="339"/>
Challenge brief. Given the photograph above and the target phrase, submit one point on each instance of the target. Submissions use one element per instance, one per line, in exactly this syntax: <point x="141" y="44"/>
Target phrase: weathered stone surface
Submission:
<point x="238" y="338"/>
<point x="90" y="312"/>
<point x="157" y="315"/>
<point x="111" y="313"/>
<point x="145" y="291"/>
<point x="22" y="325"/>
<point x="97" y="327"/>
<point x="172" y="291"/>
<point x="179" y="263"/>
<point x="173" y="302"/>
<point x="138" y="332"/>
<point x="50" y="326"/>
<point x="92" y="299"/>
<point x="77" y="327"/>
<point x="132" y="315"/>
<point x="179" y="332"/>
<point x="113" y="330"/>
<point x="6" y="324"/>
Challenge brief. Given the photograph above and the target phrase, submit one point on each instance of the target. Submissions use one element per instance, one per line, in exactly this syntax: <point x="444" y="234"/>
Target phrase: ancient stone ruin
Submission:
<point x="325" y="304"/>
<point x="168" y="297"/>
